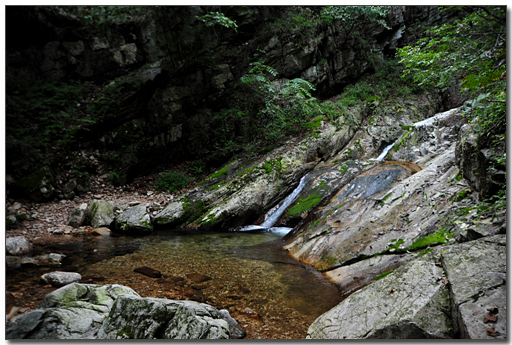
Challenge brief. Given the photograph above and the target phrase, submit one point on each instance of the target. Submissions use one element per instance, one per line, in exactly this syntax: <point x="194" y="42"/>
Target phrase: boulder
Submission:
<point x="134" y="220"/>
<point x="17" y="245"/>
<point x="477" y="272"/>
<point x="59" y="279"/>
<point x="78" y="216"/>
<point x="474" y="162"/>
<point x="171" y="214"/>
<point x="411" y="303"/>
<point x="455" y="291"/>
<point x="11" y="222"/>
<point x="236" y="331"/>
<point x="75" y="311"/>
<point x="101" y="213"/>
<point x="132" y="317"/>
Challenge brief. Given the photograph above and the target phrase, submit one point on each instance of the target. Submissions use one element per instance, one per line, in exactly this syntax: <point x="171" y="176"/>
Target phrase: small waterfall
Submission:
<point x="385" y="152"/>
<point x="273" y="217"/>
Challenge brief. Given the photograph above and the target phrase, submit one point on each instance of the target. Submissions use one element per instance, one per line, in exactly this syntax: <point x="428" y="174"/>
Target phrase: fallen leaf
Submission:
<point x="492" y="333"/>
<point x="490" y="318"/>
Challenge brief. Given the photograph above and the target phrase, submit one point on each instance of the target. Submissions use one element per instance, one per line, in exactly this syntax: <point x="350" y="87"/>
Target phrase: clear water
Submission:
<point x="251" y="259"/>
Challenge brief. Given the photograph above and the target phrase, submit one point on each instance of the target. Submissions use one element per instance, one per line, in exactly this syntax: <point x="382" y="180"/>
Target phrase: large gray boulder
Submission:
<point x="75" y="311"/>
<point x="132" y="317"/>
<point x="134" y="220"/>
<point x="17" y="245"/>
<point x="454" y="291"/>
<point x="101" y="213"/>
<point x="477" y="272"/>
<point x="411" y="303"/>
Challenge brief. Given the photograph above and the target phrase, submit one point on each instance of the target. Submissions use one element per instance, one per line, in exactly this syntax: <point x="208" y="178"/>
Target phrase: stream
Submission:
<point x="248" y="270"/>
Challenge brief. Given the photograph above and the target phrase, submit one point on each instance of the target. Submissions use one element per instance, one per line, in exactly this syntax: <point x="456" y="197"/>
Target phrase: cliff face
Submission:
<point x="181" y="73"/>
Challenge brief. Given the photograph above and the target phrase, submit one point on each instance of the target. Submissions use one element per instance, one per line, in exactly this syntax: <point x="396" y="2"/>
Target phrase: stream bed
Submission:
<point x="270" y="294"/>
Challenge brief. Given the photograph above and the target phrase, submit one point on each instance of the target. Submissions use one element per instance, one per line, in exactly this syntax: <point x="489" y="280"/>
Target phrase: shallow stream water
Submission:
<point x="269" y="293"/>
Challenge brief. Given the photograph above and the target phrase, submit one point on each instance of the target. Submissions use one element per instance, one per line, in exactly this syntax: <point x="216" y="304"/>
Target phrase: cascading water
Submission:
<point x="385" y="152"/>
<point x="274" y="213"/>
<point x="272" y="218"/>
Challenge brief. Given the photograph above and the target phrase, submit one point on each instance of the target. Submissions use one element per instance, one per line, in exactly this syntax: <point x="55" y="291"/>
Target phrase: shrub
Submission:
<point x="172" y="181"/>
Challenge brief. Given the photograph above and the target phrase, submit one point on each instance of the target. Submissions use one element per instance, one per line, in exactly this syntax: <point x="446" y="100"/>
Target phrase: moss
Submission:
<point x="215" y="186"/>
<point x="403" y="138"/>
<point x="313" y="224"/>
<point x="397" y="244"/>
<point x="461" y="195"/>
<point x="126" y="333"/>
<point x="317" y="122"/>
<point x="192" y="211"/>
<point x="382" y="275"/>
<point x="304" y="204"/>
<point x="437" y="238"/>
<point x="220" y="173"/>
<point x="246" y="171"/>
<point x="343" y="168"/>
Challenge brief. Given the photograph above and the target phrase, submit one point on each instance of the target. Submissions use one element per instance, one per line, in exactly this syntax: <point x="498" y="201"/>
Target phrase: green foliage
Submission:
<point x="113" y="96"/>
<point x="214" y="18"/>
<point x="172" y="181"/>
<point x="113" y="177"/>
<point x="396" y="245"/>
<point x="284" y="107"/>
<point x="103" y="17"/>
<point x="474" y="48"/>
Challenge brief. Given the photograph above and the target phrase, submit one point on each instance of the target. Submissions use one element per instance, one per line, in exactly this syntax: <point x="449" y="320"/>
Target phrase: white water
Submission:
<point x="272" y="218"/>
<point x="385" y="152"/>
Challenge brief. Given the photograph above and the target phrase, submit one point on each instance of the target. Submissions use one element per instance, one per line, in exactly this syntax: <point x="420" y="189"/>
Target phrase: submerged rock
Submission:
<point x="59" y="279"/>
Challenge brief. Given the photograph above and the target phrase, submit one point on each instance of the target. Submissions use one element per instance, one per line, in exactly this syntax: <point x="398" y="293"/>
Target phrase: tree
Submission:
<point x="470" y="52"/>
